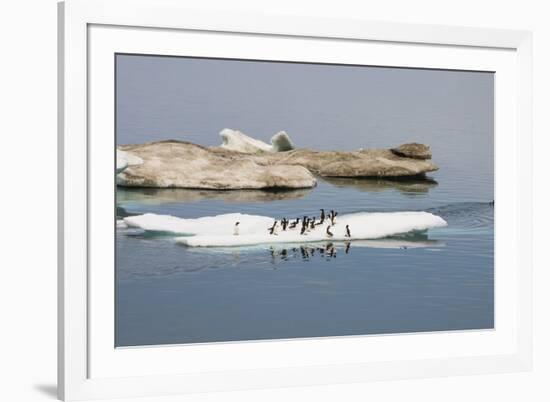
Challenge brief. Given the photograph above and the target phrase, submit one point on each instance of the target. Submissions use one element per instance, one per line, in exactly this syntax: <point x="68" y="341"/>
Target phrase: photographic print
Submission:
<point x="265" y="200"/>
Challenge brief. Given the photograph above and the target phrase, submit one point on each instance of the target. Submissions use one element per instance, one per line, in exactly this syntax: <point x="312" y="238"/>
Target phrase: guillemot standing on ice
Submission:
<point x="322" y="215"/>
<point x="329" y="233"/>
<point x="303" y="231"/>
<point x="348" y="234"/>
<point x="272" y="229"/>
<point x="236" y="229"/>
<point x="333" y="217"/>
<point x="284" y="223"/>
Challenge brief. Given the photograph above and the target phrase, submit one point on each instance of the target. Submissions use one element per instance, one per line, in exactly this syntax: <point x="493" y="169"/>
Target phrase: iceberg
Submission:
<point x="217" y="231"/>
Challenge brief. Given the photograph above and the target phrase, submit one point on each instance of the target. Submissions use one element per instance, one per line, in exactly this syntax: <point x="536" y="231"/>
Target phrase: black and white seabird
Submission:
<point x="303" y="231"/>
<point x="236" y="229"/>
<point x="332" y="217"/>
<point x="322" y="215"/>
<point x="348" y="233"/>
<point x="329" y="233"/>
<point x="272" y="229"/>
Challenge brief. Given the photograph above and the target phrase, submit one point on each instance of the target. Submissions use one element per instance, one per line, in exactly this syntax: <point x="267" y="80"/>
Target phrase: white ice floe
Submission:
<point x="385" y="243"/>
<point x="217" y="231"/>
<point x="237" y="141"/>
<point x="220" y="225"/>
<point x="125" y="159"/>
<point x="397" y="243"/>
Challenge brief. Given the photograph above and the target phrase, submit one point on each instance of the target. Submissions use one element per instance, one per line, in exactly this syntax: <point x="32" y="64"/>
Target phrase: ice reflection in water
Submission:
<point x="181" y="195"/>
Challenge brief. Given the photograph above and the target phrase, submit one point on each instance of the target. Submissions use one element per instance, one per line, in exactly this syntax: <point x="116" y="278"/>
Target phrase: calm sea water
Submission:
<point x="167" y="293"/>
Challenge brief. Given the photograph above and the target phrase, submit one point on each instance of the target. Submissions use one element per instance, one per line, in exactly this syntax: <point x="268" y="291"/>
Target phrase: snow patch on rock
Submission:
<point x="125" y="159"/>
<point x="235" y="140"/>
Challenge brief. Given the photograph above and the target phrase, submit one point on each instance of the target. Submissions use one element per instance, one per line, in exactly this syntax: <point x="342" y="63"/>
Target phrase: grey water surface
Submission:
<point x="439" y="280"/>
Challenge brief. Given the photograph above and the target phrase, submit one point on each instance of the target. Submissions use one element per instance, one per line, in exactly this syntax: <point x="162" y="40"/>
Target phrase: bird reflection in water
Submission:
<point x="327" y="252"/>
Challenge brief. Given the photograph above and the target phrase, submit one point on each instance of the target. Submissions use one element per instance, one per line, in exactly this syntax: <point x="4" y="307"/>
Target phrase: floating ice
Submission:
<point x="219" y="225"/>
<point x="217" y="231"/>
<point x="280" y="248"/>
<point x="387" y="243"/>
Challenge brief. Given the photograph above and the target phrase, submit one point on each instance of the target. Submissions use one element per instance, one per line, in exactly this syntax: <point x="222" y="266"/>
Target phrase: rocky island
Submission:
<point x="244" y="163"/>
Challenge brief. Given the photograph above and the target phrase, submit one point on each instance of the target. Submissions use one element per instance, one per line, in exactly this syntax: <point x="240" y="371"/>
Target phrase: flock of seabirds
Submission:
<point x="307" y="224"/>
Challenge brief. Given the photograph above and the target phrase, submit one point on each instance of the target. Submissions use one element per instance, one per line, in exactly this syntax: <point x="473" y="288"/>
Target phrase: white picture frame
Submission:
<point x="91" y="31"/>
